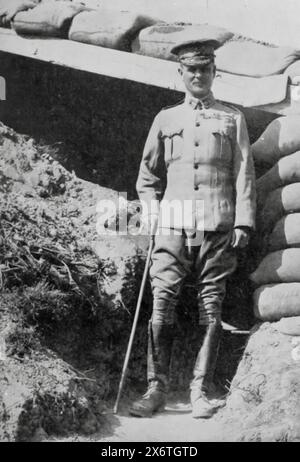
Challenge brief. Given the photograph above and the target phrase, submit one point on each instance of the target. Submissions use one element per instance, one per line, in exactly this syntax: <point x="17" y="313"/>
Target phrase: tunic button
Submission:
<point x="196" y="188"/>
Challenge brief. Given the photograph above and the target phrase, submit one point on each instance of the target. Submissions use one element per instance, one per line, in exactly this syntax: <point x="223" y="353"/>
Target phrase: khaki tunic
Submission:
<point x="198" y="155"/>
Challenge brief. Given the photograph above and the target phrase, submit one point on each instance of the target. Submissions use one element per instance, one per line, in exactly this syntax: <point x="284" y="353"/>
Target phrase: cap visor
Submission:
<point x="196" y="61"/>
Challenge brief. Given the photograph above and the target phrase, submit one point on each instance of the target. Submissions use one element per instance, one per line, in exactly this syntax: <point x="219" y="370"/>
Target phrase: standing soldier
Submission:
<point x="197" y="155"/>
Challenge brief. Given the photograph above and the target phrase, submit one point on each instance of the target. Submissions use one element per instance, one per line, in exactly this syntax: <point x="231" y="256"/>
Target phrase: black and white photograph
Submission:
<point x="149" y="223"/>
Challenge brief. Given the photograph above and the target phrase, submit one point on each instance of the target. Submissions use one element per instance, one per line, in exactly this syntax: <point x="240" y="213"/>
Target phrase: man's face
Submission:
<point x="198" y="79"/>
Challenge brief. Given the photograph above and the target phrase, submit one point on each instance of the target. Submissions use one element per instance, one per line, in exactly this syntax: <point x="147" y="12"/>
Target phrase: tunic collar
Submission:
<point x="204" y="103"/>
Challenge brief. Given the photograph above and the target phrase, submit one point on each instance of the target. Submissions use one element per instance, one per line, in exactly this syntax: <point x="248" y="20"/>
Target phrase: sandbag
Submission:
<point x="50" y="18"/>
<point x="281" y="138"/>
<point x="109" y="28"/>
<point x="279" y="266"/>
<point x="286" y="233"/>
<point x="156" y="41"/>
<point x="285" y="171"/>
<point x="289" y="326"/>
<point x="254" y="59"/>
<point x="9" y="8"/>
<point x="278" y="203"/>
<point x="275" y="301"/>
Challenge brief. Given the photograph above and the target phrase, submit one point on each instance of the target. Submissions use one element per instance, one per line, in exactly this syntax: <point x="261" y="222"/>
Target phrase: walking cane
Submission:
<point x="136" y="316"/>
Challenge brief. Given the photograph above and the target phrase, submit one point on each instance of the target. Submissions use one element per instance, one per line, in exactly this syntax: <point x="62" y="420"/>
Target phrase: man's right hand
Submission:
<point x="149" y="224"/>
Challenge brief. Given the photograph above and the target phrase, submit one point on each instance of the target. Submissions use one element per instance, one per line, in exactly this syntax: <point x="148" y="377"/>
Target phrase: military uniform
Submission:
<point x="197" y="156"/>
<point x="205" y="148"/>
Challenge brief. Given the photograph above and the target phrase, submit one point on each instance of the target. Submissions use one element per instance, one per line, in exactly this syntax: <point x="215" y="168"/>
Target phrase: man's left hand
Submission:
<point x="240" y="238"/>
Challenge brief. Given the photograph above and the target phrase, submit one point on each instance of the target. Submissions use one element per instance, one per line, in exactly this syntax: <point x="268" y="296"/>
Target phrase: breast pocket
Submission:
<point x="220" y="135"/>
<point x="173" y="144"/>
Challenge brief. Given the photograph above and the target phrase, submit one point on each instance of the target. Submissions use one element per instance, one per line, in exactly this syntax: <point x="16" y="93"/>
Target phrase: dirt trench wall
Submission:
<point x="263" y="404"/>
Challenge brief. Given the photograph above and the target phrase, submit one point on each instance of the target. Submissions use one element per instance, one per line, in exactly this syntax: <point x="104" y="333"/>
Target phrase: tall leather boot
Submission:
<point x="203" y="404"/>
<point x="160" y="340"/>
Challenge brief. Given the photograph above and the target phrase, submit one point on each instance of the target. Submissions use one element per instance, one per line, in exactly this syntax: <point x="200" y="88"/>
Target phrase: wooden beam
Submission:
<point x="243" y="91"/>
<point x="94" y="59"/>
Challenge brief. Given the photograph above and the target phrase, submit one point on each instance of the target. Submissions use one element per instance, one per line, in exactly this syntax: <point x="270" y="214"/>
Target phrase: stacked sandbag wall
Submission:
<point x="277" y="276"/>
<point x="137" y="29"/>
<point x="49" y="18"/>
